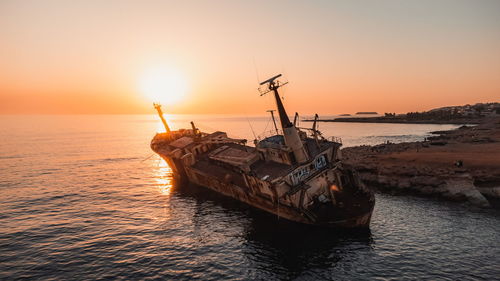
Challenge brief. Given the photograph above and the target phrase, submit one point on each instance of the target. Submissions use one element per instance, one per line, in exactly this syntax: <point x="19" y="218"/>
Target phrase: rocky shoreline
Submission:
<point x="460" y="165"/>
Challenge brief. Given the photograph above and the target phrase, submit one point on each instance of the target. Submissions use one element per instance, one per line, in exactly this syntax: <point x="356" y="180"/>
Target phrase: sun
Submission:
<point x="163" y="85"/>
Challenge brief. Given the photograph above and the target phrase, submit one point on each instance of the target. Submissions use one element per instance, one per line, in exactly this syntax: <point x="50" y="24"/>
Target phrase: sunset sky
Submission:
<point x="72" y="57"/>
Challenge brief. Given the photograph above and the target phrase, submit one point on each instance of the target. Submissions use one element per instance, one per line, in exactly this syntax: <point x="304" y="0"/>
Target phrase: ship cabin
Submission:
<point x="321" y="154"/>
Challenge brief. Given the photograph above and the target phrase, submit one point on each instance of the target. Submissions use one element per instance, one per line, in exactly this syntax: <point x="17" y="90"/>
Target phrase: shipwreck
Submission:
<point x="296" y="174"/>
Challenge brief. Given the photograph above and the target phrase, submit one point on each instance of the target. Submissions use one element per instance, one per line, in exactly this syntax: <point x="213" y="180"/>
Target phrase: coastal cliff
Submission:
<point x="460" y="165"/>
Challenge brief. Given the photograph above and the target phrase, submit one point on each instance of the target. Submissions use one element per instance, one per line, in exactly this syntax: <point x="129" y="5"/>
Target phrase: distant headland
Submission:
<point x="366" y="113"/>
<point x="465" y="114"/>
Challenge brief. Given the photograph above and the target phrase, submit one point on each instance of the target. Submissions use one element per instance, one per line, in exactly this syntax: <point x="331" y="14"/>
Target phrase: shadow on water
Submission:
<point x="279" y="248"/>
<point x="294" y="249"/>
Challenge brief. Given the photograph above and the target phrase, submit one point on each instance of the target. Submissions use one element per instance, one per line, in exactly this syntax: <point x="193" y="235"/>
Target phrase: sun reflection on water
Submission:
<point x="164" y="177"/>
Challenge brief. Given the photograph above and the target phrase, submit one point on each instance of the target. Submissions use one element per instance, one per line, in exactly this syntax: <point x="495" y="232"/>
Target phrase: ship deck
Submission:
<point x="260" y="168"/>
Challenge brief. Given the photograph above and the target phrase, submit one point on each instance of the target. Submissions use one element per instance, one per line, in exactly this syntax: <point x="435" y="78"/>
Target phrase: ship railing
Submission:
<point x="267" y="144"/>
<point x="335" y="139"/>
<point x="269" y="133"/>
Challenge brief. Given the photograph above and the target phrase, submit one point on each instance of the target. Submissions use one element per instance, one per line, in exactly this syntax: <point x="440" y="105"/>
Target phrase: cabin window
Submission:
<point x="283" y="157"/>
<point x="320" y="162"/>
<point x="292" y="158"/>
<point x="262" y="156"/>
<point x="343" y="180"/>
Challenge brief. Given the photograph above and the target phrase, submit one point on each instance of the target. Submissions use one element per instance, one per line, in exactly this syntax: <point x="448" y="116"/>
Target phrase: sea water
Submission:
<point x="84" y="198"/>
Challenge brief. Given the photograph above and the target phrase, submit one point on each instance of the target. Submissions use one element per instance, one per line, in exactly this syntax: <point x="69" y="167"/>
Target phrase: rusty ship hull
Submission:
<point x="352" y="208"/>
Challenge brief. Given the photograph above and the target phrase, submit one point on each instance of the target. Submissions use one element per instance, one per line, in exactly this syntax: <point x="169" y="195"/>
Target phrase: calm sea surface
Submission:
<point x="83" y="198"/>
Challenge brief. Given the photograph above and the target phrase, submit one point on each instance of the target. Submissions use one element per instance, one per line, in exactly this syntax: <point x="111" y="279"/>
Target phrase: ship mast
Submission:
<point x="290" y="132"/>
<point x="274" y="120"/>
<point x="295" y="118"/>
<point x="160" y="113"/>
<point x="315" y="129"/>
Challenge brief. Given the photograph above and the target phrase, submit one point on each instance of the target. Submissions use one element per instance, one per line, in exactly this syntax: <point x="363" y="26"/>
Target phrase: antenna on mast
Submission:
<point x="272" y="85"/>
<point x="274" y="120"/>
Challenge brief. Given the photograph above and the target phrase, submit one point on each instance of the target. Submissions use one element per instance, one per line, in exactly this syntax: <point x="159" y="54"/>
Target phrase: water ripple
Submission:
<point x="74" y="209"/>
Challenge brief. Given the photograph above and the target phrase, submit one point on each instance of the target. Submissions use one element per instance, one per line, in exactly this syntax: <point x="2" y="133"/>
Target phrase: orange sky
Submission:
<point x="67" y="57"/>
